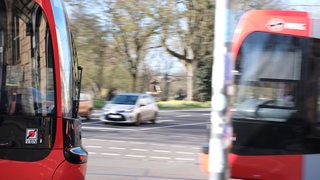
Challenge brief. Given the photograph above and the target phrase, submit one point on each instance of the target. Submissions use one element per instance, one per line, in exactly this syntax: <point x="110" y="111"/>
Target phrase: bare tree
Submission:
<point x="188" y="32"/>
<point x="191" y="24"/>
<point x="133" y="23"/>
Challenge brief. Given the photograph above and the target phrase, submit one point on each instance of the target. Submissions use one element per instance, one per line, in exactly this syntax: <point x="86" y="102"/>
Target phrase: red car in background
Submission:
<point x="85" y="105"/>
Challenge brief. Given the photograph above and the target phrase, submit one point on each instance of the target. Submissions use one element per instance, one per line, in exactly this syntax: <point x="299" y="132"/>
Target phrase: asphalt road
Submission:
<point x="167" y="150"/>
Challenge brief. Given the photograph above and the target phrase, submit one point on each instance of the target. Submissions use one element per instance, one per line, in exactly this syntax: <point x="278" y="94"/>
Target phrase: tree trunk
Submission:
<point x="190" y="79"/>
<point x="166" y="87"/>
<point x="134" y="82"/>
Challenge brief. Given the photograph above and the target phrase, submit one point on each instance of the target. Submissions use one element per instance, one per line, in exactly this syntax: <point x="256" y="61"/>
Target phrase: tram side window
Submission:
<point x="27" y="75"/>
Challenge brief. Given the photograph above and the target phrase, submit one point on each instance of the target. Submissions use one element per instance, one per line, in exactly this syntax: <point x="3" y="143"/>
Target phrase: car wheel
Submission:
<point x="138" y="121"/>
<point x="154" y="119"/>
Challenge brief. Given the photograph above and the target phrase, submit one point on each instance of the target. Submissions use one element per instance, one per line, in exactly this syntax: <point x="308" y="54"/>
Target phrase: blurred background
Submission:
<point x="162" y="47"/>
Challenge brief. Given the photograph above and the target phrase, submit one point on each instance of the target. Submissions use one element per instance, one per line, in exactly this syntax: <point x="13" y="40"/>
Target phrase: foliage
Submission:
<point x="204" y="78"/>
<point x="94" y="53"/>
<point x="99" y="103"/>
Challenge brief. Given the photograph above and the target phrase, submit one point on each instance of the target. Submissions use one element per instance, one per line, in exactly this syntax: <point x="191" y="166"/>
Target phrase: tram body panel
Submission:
<point x="43" y="169"/>
<point x="284" y="167"/>
<point x="52" y="167"/>
<point x="271" y="21"/>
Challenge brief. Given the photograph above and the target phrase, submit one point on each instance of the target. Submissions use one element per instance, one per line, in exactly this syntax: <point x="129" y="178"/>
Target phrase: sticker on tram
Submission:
<point x="277" y="24"/>
<point x="31" y="136"/>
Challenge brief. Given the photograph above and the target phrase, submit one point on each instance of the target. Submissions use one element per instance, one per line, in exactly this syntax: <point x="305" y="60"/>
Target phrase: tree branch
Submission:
<point x="175" y="54"/>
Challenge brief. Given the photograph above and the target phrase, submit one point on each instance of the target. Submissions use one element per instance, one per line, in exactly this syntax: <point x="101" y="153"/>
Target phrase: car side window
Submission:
<point x="142" y="101"/>
<point x="150" y="100"/>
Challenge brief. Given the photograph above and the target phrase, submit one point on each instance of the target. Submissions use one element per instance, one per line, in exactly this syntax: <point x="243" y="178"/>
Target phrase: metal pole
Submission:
<point x="220" y="131"/>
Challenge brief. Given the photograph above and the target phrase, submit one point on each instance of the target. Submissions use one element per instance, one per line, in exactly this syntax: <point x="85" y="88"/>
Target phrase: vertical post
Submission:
<point x="221" y="130"/>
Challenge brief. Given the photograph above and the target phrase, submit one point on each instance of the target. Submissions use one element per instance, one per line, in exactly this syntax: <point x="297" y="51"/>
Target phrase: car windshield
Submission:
<point x="124" y="99"/>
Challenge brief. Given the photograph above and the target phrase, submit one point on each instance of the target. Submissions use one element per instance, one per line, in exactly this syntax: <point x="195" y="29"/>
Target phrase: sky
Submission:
<point x="305" y="5"/>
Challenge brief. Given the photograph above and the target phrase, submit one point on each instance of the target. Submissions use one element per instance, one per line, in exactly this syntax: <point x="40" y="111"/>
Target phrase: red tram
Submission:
<point x="276" y="106"/>
<point x="276" y="117"/>
<point x="40" y="133"/>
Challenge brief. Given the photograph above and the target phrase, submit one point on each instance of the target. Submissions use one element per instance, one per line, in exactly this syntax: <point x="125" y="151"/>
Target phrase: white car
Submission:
<point x="130" y="108"/>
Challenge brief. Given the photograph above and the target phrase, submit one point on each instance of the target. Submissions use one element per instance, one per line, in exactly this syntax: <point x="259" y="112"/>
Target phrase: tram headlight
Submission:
<point x="73" y="151"/>
<point x="76" y="155"/>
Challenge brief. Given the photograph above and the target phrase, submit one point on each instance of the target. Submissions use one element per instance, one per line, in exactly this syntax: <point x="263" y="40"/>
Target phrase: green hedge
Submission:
<point x="98" y="103"/>
<point x="183" y="104"/>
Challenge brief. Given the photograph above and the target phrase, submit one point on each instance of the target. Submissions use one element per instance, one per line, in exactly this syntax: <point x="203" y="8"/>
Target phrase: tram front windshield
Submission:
<point x="269" y="70"/>
<point x="27" y="89"/>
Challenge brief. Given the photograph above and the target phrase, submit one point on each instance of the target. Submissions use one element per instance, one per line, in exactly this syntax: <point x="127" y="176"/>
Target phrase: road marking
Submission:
<point x="93" y="147"/>
<point x="158" y="121"/>
<point x="154" y="144"/>
<point x="171" y="126"/>
<point x="118" y="148"/>
<point x="135" y="156"/>
<point x="161" y="151"/>
<point x="184" y="159"/>
<point x="196" y="148"/>
<point x="106" y="128"/>
<point x="132" y="142"/>
<point x="143" y="129"/>
<point x="110" y="154"/>
<point x="142" y="156"/>
<point x="165" y="120"/>
<point x="117" y="141"/>
<point x="177" y="146"/>
<point x="139" y="150"/>
<point x="189" y="153"/>
<point x="186" y="115"/>
<point x="159" y="157"/>
<point x="93" y="139"/>
<point x="174" y="136"/>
